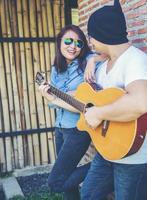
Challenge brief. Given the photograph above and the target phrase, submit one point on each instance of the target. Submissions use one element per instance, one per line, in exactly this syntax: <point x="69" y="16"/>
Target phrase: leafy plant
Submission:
<point x="5" y="174"/>
<point x="41" y="196"/>
<point x="17" y="197"/>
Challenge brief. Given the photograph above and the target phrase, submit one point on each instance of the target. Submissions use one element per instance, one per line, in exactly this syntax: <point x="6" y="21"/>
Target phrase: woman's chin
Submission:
<point x="70" y="59"/>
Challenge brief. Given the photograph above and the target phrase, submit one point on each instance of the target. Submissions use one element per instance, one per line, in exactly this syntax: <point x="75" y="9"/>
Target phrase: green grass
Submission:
<point x="41" y="196"/>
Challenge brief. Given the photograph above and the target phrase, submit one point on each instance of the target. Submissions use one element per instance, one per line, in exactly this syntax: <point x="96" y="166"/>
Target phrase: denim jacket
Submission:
<point x="67" y="81"/>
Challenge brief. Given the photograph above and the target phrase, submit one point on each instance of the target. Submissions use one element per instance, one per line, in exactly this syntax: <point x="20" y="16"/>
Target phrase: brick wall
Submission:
<point x="136" y="16"/>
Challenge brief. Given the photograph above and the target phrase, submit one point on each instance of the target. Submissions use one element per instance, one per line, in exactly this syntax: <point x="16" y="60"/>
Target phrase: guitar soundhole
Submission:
<point x="89" y="105"/>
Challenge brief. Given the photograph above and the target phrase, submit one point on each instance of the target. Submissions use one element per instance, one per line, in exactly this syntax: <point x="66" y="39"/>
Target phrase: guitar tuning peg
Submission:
<point x="40" y="78"/>
<point x="43" y="73"/>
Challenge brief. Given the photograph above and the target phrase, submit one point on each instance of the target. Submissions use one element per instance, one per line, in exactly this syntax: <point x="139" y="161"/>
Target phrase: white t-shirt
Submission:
<point x="130" y="66"/>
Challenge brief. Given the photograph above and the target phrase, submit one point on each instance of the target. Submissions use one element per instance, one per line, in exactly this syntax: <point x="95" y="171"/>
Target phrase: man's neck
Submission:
<point x="115" y="51"/>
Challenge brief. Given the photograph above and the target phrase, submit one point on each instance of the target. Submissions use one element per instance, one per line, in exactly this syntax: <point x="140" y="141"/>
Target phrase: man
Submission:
<point x="126" y="68"/>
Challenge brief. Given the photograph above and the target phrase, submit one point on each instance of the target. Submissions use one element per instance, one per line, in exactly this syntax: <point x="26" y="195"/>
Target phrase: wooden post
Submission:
<point x="57" y="15"/>
<point x="18" y="125"/>
<point x="43" y="137"/>
<point x="4" y="115"/>
<point x="13" y="25"/>
<point x="32" y="140"/>
<point x="48" y="68"/>
<point x="8" y="115"/>
<point x="36" y="63"/>
<point x="51" y="29"/>
<point x="21" y="16"/>
<point x="62" y="13"/>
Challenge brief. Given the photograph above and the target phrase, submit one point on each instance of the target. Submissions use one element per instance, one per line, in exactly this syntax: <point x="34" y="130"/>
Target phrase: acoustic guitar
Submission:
<point x="113" y="140"/>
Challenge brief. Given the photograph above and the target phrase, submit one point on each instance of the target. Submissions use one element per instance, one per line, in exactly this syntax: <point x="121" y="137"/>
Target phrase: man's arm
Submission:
<point x="129" y="107"/>
<point x="89" y="73"/>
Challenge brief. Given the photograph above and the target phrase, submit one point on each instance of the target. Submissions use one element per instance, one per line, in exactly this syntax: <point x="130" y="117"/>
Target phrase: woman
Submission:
<point x="72" y="53"/>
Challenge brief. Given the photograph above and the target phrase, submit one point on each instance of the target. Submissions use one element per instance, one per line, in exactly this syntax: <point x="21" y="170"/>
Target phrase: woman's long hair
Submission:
<point x="60" y="62"/>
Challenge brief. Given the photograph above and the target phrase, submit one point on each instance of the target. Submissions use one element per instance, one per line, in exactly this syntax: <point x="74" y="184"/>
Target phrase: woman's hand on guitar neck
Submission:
<point x="43" y="89"/>
<point x="91" y="118"/>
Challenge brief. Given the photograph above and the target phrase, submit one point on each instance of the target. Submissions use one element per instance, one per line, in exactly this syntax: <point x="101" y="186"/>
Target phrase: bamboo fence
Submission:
<point x="21" y="106"/>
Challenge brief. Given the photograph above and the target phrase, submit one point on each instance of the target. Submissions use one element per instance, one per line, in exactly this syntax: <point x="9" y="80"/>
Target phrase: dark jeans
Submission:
<point x="129" y="182"/>
<point x="65" y="176"/>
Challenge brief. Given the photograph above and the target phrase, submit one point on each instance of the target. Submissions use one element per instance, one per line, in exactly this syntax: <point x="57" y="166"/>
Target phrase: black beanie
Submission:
<point x="108" y="25"/>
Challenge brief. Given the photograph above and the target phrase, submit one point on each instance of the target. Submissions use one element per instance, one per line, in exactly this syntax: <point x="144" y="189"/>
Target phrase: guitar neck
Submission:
<point x="67" y="98"/>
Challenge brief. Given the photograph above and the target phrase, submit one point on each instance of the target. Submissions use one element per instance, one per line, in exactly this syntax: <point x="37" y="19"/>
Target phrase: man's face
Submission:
<point x="96" y="45"/>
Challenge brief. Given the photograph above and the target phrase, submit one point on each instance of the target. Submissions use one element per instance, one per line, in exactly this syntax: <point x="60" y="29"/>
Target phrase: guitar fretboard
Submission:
<point x="67" y="98"/>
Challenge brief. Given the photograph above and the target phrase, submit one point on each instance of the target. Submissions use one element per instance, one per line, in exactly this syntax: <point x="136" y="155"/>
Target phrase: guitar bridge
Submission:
<point x="105" y="126"/>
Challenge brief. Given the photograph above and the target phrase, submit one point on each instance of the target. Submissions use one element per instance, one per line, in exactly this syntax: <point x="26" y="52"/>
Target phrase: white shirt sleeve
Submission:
<point x="136" y="70"/>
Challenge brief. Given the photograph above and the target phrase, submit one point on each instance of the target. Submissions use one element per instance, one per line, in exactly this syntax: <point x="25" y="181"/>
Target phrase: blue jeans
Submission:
<point x="129" y="182"/>
<point x="65" y="176"/>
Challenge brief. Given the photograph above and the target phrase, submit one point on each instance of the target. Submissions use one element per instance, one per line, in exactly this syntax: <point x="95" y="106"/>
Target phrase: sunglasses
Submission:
<point x="77" y="43"/>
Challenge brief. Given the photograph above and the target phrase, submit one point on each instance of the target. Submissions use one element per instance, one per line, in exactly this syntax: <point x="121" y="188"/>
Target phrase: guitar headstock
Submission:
<point x="40" y="78"/>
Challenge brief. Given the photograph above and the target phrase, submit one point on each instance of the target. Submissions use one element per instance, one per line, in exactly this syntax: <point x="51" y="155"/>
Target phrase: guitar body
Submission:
<point x="122" y="138"/>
